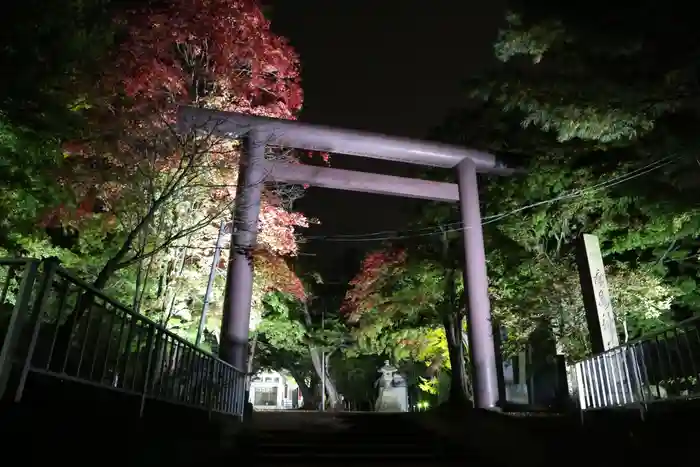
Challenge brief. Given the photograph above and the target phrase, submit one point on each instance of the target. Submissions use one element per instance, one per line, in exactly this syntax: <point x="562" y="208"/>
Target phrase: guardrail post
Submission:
<point x="50" y="266"/>
<point x="149" y="365"/>
<point x="638" y="381"/>
<point x="210" y="385"/>
<point x="18" y="317"/>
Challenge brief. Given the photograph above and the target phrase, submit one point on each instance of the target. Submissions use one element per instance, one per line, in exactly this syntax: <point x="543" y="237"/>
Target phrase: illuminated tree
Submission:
<point x="402" y="301"/>
<point x="125" y="200"/>
<point x="133" y="170"/>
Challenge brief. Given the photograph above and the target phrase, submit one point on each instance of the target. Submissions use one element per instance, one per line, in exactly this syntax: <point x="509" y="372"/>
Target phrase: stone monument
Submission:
<point x="393" y="393"/>
<point x="617" y="375"/>
<point x="596" y="296"/>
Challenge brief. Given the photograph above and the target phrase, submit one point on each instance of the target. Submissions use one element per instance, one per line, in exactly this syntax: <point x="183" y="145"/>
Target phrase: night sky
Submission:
<point x="386" y="67"/>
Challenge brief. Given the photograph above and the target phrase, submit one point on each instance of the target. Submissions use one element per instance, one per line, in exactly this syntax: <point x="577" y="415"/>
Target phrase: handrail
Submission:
<point x="63" y="327"/>
<point x="129" y="311"/>
<point x="647" y="337"/>
<point x="23" y="271"/>
<point x="662" y="365"/>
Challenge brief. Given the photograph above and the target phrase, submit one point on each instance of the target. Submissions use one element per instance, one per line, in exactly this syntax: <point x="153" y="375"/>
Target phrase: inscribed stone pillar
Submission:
<point x="596" y="296"/>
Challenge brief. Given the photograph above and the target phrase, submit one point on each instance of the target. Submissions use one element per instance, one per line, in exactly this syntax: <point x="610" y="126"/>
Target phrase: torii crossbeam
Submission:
<point x="260" y="132"/>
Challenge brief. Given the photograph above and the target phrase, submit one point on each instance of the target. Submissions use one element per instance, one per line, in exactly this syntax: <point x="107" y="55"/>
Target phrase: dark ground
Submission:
<point x="66" y="422"/>
<point x="77" y="424"/>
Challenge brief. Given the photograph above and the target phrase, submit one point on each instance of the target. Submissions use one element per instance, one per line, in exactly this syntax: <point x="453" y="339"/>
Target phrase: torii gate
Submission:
<point x="255" y="170"/>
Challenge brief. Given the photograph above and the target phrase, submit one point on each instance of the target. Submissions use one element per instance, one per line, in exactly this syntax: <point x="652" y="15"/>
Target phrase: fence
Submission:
<point x="660" y="366"/>
<point x="55" y="324"/>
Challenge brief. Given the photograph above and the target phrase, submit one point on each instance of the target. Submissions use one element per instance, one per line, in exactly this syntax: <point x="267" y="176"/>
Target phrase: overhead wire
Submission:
<point x="458" y="223"/>
<point x="439" y="229"/>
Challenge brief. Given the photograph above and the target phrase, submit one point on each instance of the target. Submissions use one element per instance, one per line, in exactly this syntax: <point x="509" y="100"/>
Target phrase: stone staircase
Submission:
<point x="353" y="438"/>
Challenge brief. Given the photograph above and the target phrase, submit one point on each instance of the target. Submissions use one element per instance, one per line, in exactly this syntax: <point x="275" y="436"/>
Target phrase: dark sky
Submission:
<point x="386" y="67"/>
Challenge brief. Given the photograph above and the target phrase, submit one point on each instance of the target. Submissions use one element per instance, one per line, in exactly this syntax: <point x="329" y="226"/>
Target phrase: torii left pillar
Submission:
<point x="235" y="326"/>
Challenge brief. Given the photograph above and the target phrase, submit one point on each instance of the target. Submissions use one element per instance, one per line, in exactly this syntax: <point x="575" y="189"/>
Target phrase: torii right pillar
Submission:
<point x="479" y="327"/>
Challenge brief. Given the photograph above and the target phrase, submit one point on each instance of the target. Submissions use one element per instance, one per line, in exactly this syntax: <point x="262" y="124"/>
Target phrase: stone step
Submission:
<point x="355" y="456"/>
<point x="389" y="432"/>
<point x="349" y="445"/>
<point x="355" y="446"/>
<point x="358" y="438"/>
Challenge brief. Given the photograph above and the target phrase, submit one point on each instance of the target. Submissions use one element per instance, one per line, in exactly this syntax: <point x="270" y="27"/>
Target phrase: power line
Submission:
<point x="439" y="229"/>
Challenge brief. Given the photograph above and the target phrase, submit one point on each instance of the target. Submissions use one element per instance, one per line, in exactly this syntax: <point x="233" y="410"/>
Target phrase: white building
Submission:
<point x="271" y="390"/>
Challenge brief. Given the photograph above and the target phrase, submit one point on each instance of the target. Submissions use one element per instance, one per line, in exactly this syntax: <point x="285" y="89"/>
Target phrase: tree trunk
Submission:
<point x="178" y="285"/>
<point x="140" y="273"/>
<point x="310" y="401"/>
<point x="308" y="392"/>
<point x="452" y="321"/>
<point x="434" y="368"/>
<point x="331" y="391"/>
<point x="316" y="357"/>
<point x="458" y="375"/>
<point x="137" y="287"/>
<point x="253" y="348"/>
<point x="467" y="363"/>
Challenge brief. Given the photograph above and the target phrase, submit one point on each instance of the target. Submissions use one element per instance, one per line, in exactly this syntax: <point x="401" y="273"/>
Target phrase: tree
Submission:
<point x="619" y="99"/>
<point x="215" y="54"/>
<point x="130" y="155"/>
<point x="609" y="101"/>
<point x="219" y="54"/>
<point x="287" y="338"/>
<point x="281" y="344"/>
<point x="66" y="44"/>
<point x="40" y="101"/>
<point x="326" y="333"/>
<point x="400" y="298"/>
<point x="530" y="238"/>
<point x="118" y="195"/>
<point x="605" y="78"/>
<point x="296" y="332"/>
<point x="599" y="113"/>
<point x="534" y="290"/>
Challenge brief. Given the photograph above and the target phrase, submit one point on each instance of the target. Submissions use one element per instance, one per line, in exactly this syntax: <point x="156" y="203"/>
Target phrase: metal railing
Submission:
<point x="662" y="366"/>
<point x="17" y="277"/>
<point x="53" y="323"/>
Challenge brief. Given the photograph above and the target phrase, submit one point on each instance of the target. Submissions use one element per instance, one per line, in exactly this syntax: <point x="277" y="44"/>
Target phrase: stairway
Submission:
<point x="354" y="438"/>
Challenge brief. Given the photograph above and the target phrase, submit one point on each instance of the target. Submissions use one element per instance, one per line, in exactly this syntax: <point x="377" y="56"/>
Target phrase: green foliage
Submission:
<point x="589" y="77"/>
<point x="599" y="115"/>
<point x="67" y="43"/>
<point x="281" y="330"/>
<point x="600" y="108"/>
<point x="131" y="212"/>
<point x="40" y="108"/>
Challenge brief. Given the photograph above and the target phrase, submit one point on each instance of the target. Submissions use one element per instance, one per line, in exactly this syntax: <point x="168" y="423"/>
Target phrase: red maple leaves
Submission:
<point x="278" y="275"/>
<point x="326" y="157"/>
<point x="359" y="297"/>
<point x="216" y="53"/>
<point x="277" y="228"/>
<point x="212" y="53"/>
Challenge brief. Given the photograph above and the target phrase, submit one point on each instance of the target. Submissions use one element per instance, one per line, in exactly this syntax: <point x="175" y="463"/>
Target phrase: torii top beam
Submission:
<point x="310" y="137"/>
